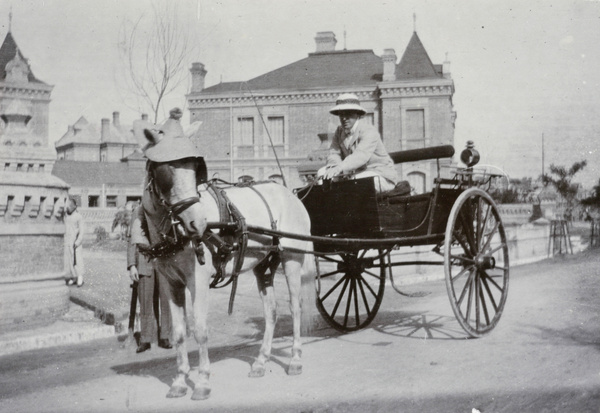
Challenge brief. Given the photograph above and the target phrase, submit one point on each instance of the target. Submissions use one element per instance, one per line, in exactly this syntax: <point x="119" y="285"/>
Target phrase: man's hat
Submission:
<point x="166" y="144"/>
<point x="347" y="102"/>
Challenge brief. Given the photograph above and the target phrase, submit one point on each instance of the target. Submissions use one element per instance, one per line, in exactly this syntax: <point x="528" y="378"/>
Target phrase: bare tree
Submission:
<point x="155" y="60"/>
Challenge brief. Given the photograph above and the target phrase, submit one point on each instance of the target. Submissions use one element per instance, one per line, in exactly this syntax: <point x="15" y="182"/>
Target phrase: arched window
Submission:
<point x="417" y="182"/>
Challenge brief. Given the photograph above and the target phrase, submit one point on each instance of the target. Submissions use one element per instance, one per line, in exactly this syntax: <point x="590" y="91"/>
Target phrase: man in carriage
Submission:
<point x="357" y="149"/>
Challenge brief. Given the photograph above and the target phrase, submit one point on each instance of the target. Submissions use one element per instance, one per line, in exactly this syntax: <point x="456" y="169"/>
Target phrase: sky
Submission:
<point x="525" y="72"/>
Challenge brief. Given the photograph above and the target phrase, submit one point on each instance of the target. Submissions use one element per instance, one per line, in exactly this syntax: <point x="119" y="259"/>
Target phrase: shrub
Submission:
<point x="101" y="233"/>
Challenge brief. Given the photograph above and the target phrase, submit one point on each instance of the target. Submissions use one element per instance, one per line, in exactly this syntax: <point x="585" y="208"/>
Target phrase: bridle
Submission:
<point x="173" y="238"/>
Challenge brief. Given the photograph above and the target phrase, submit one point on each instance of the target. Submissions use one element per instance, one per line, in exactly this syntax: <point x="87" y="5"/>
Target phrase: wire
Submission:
<point x="268" y="133"/>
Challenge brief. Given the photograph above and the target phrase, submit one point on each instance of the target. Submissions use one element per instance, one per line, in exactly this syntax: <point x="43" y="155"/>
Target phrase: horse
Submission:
<point x="176" y="207"/>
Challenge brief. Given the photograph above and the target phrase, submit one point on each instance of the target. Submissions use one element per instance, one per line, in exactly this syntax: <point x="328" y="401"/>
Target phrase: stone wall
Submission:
<point x="32" y="287"/>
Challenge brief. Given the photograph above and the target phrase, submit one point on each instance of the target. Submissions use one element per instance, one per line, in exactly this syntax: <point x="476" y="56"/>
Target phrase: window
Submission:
<point x="276" y="130"/>
<point x="245" y="131"/>
<point x="19" y="167"/>
<point x="103" y="157"/>
<point x="41" y="168"/>
<point x="93" y="201"/>
<point x="415" y="129"/>
<point x="111" y="201"/>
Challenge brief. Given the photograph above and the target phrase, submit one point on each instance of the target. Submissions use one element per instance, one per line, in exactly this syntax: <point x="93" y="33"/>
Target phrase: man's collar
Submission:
<point x="353" y="128"/>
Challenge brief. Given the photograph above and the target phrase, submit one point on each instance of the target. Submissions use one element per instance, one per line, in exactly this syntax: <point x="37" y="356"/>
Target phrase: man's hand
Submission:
<point x="333" y="171"/>
<point x="133" y="274"/>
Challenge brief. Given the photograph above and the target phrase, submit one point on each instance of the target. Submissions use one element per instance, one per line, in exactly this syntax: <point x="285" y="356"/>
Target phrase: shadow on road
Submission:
<point x="419" y="325"/>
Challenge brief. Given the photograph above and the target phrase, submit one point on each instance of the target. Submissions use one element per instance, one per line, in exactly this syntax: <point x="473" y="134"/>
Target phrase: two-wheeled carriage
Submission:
<point x="355" y="232"/>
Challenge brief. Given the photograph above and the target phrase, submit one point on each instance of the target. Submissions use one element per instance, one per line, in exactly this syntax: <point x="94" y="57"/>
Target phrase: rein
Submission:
<point x="173" y="239"/>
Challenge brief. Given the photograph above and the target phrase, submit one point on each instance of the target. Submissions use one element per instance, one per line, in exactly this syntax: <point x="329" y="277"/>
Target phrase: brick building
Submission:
<point x="104" y="166"/>
<point x="409" y="101"/>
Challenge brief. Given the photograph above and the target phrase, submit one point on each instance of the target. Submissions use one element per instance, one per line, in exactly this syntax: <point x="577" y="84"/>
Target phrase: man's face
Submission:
<point x="71" y="207"/>
<point x="348" y="119"/>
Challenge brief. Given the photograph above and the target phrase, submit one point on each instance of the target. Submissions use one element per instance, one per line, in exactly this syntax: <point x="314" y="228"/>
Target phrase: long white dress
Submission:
<point x="74" y="266"/>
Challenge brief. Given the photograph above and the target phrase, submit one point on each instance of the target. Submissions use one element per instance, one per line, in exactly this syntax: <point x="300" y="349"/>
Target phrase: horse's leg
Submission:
<point x="267" y="295"/>
<point x="199" y="288"/>
<point x="176" y="296"/>
<point x="293" y="271"/>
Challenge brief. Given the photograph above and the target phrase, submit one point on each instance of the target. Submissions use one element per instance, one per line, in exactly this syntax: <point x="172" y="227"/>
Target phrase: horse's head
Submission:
<point x="175" y="168"/>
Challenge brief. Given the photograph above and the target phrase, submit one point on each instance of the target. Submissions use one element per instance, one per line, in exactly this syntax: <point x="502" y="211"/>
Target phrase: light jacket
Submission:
<point x="364" y="152"/>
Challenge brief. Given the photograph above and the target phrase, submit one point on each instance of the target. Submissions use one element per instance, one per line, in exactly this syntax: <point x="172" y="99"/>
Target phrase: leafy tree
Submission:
<point x="594" y="199"/>
<point x="155" y="61"/>
<point x="561" y="179"/>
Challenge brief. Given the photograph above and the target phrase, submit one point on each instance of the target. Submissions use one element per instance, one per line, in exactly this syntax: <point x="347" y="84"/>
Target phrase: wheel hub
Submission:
<point x="485" y="262"/>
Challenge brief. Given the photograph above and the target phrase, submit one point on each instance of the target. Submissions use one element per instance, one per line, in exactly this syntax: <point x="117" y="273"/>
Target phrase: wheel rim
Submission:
<point x="476" y="262"/>
<point x="350" y="288"/>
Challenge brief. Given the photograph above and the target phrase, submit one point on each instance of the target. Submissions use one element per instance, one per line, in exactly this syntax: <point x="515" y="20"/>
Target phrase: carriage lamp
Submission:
<point x="470" y="155"/>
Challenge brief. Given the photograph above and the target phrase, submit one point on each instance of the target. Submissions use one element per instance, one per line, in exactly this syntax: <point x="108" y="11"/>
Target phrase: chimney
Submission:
<point x="389" y="65"/>
<point x="325" y="42"/>
<point x="144" y="116"/>
<point x="446" y="68"/>
<point x="116" y="120"/>
<point x="105" y="130"/>
<point x="198" y="75"/>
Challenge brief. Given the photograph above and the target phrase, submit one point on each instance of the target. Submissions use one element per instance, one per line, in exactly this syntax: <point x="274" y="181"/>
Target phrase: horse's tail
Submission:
<point x="308" y="292"/>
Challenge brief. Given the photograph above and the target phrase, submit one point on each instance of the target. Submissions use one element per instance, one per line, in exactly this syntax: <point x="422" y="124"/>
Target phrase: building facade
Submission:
<point x="104" y="166"/>
<point x="286" y="111"/>
<point x="32" y="287"/>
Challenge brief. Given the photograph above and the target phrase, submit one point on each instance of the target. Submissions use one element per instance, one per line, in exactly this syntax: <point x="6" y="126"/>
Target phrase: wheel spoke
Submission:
<point x="490" y="236"/>
<point x="339" y="300"/>
<point x="462" y="243"/>
<point x="360" y="277"/>
<point x="329" y="274"/>
<point x="468" y="230"/>
<point x="466" y="287"/>
<point x="463" y="259"/>
<point x="372" y="274"/>
<point x="349" y="301"/>
<point x="477" y="304"/>
<point x="355" y="290"/>
<point x="335" y="286"/>
<point x="489" y="292"/>
<point x="494" y="282"/>
<point x="482" y="300"/>
<point x="464" y="270"/>
<point x="469" y="299"/>
<point x="364" y="296"/>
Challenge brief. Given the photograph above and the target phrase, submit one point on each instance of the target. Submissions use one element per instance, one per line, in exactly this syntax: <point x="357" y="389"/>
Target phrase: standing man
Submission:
<point x="154" y="306"/>
<point x="357" y="149"/>
<point x="73" y="241"/>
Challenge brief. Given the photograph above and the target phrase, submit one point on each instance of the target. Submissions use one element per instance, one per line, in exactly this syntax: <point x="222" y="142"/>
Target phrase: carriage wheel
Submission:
<point x="476" y="262"/>
<point x="350" y="288"/>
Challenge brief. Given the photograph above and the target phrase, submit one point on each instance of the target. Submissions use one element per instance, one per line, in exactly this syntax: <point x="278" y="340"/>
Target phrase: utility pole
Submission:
<point x="543" y="166"/>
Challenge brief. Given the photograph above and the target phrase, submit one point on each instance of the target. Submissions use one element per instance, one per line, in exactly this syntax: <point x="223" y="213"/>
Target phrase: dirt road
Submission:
<point x="544" y="356"/>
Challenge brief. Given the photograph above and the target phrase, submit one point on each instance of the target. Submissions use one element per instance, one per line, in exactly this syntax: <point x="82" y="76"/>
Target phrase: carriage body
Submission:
<point x="356" y="229"/>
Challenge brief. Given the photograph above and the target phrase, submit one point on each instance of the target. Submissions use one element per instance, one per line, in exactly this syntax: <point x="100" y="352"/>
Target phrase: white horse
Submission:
<point x="174" y="210"/>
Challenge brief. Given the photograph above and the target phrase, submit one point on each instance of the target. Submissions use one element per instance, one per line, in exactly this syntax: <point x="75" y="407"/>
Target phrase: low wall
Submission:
<point x="527" y="243"/>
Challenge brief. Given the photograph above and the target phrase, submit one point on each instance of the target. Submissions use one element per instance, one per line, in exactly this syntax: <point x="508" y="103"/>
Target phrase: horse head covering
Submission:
<point x="347" y="102"/>
<point x="167" y="142"/>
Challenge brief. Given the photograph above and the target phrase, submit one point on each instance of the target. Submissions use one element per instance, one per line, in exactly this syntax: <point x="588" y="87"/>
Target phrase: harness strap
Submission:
<point x="243" y="243"/>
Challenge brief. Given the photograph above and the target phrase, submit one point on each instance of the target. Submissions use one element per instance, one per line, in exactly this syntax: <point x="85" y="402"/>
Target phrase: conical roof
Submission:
<point x="415" y="62"/>
<point x="8" y="50"/>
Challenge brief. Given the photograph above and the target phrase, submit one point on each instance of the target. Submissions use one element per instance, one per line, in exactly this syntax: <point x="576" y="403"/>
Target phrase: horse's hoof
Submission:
<point x="201" y="393"/>
<point x="294" y="369"/>
<point x="176" y="391"/>
<point x="257" y="371"/>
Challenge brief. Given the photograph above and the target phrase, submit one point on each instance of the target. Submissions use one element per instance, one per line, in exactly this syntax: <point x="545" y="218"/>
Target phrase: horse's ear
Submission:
<point x="139" y="131"/>
<point x="153" y="136"/>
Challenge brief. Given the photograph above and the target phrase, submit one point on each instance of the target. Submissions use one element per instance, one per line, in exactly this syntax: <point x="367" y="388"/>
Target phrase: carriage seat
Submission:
<point x="402" y="188"/>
